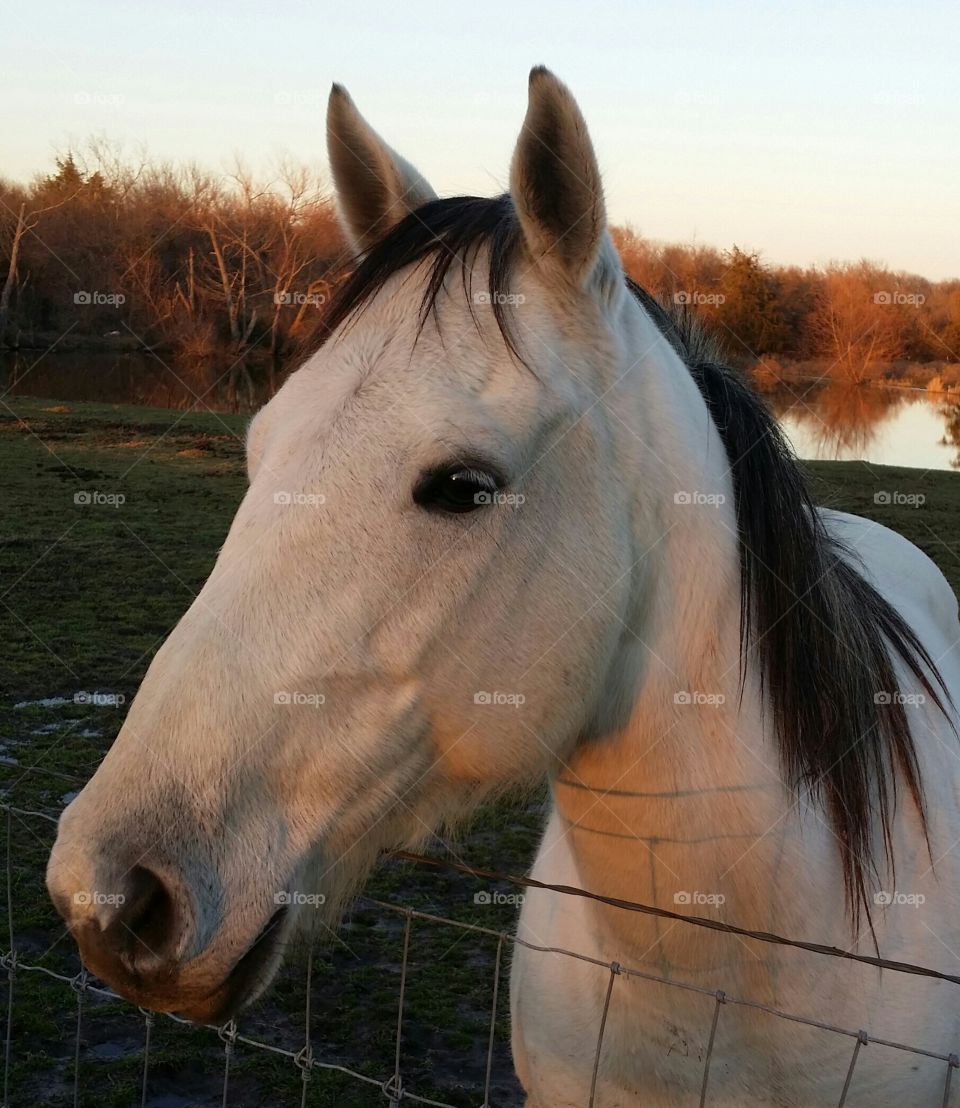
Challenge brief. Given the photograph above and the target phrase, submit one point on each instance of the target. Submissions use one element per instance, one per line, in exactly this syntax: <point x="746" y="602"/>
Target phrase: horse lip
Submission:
<point x="242" y="980"/>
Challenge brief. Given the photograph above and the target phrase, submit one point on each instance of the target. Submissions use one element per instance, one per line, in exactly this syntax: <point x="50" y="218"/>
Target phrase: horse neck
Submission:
<point x="669" y="798"/>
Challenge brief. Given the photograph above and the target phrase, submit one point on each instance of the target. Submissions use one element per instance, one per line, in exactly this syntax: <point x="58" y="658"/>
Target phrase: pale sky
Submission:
<point x="809" y="132"/>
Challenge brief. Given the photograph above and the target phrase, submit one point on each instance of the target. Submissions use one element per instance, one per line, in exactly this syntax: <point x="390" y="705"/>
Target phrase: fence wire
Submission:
<point x="392" y="1086"/>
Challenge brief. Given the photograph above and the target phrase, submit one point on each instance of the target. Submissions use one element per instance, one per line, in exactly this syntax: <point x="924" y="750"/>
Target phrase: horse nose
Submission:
<point x="131" y="933"/>
<point x="147" y="929"/>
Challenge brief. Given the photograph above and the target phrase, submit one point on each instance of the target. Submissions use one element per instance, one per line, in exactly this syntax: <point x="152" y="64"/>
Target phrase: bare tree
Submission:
<point x="25" y="222"/>
<point x="858" y="320"/>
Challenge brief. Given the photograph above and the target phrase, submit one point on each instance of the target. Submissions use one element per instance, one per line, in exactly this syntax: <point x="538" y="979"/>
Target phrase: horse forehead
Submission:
<point x="366" y="394"/>
<point x="384" y="361"/>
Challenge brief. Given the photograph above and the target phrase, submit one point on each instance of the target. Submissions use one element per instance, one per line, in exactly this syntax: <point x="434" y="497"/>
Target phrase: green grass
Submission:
<point x="89" y="590"/>
<point x="923" y="505"/>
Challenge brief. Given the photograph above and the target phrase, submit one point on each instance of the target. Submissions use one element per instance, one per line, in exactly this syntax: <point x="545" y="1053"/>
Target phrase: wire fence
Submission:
<point x="391" y="1086"/>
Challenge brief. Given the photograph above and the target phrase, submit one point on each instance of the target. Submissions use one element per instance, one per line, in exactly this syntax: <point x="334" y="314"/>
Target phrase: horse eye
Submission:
<point x="456" y="490"/>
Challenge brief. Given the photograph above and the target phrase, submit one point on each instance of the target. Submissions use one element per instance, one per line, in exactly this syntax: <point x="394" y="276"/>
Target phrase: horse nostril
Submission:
<point x="147" y="930"/>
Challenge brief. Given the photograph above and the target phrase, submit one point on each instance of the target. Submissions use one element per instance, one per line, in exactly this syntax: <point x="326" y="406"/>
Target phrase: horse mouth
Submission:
<point x="249" y="976"/>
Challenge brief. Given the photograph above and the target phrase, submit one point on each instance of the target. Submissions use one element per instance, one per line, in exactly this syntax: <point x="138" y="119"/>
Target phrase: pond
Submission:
<point x="133" y="378"/>
<point x="882" y="424"/>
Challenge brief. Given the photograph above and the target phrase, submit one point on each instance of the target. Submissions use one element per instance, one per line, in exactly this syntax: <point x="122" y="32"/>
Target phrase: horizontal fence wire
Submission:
<point x="392" y="1087"/>
<point x="665" y="913"/>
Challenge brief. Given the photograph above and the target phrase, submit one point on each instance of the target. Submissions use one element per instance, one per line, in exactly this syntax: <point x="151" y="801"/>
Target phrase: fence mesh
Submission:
<point x="390" y="1087"/>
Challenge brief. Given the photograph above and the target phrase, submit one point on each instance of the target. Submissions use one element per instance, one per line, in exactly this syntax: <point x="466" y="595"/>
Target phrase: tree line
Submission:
<point x="204" y="266"/>
<point x="215" y="267"/>
<point x="857" y="317"/>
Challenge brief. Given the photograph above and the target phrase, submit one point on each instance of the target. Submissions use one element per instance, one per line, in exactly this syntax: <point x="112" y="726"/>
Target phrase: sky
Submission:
<point x="807" y="132"/>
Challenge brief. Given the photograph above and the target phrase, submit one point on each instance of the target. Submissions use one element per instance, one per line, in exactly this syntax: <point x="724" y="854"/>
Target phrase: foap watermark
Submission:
<point x="910" y="299"/>
<point x="692" y="98"/>
<point x="891" y="99"/>
<point x="100" y="699"/>
<point x="500" y="699"/>
<point x="511" y="299"/>
<point x="900" y="499"/>
<point x="898" y="697"/>
<point x="99" y="99"/>
<point x="96" y="298"/>
<point x="94" y="896"/>
<point x="697" y="898"/>
<point x="711" y="700"/>
<point x="94" y="498"/>
<point x="696" y="498"/>
<point x="696" y="298"/>
<point x="885" y="898"/>
<point x="298" y="699"/>
<point x="295" y="898"/>
<point x="510" y="499"/>
<point x="487" y="897"/>
<point x="299" y="97"/>
<point x="298" y="299"/>
<point x="300" y="499"/>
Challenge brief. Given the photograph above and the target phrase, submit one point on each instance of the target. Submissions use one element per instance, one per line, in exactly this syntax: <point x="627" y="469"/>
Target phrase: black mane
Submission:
<point x="824" y="640"/>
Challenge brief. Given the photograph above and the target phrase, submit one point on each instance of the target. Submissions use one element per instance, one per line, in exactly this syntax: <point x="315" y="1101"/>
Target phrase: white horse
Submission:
<point x="508" y="472"/>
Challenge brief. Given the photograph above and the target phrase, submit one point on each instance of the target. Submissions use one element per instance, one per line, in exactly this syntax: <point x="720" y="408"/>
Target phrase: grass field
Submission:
<point x="90" y="587"/>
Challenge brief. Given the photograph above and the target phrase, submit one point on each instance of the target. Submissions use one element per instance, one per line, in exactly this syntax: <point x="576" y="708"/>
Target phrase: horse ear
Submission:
<point x="375" y="187"/>
<point x="555" y="181"/>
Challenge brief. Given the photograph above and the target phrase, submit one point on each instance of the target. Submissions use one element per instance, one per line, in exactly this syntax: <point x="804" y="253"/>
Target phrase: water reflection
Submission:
<point x="135" y="378"/>
<point x="876" y="423"/>
<point x="839" y="420"/>
<point x="951" y="435"/>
